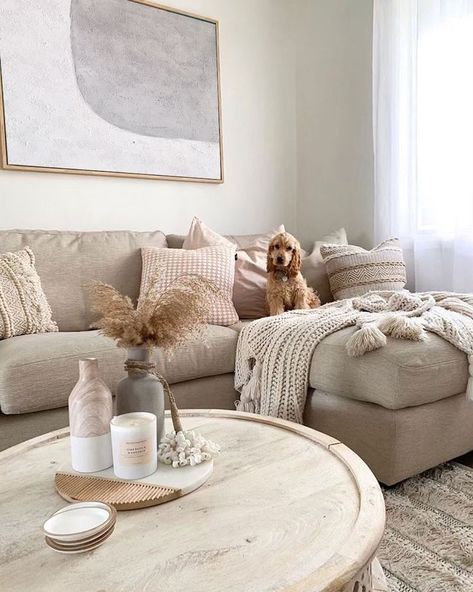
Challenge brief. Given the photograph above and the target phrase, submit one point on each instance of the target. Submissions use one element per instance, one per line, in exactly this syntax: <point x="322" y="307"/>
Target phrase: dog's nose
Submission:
<point x="279" y="259"/>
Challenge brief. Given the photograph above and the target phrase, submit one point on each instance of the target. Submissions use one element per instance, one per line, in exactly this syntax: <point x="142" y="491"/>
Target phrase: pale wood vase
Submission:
<point x="90" y="412"/>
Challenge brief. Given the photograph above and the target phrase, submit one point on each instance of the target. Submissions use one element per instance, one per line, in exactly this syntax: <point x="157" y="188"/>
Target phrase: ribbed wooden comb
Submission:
<point x="122" y="495"/>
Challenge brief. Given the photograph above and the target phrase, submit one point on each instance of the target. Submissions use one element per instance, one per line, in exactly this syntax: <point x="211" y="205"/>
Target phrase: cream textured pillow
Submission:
<point x="214" y="263"/>
<point x="23" y="306"/>
<point x="352" y="271"/>
<point x="200" y="235"/>
<point x="249" y="291"/>
<point x="313" y="266"/>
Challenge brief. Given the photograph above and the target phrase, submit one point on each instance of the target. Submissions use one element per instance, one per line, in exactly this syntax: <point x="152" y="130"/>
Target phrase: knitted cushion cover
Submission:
<point x="214" y="263"/>
<point x="23" y="306"/>
<point x="353" y="271"/>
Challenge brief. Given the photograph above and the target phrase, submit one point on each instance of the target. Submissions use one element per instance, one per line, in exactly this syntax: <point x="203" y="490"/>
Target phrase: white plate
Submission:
<point x="83" y="541"/>
<point x="80" y="549"/>
<point x="78" y="521"/>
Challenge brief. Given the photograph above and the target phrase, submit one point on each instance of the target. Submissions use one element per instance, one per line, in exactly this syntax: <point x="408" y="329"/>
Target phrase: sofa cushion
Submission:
<point x="23" y="305"/>
<point x="401" y="374"/>
<point x="353" y="271"/>
<point x="39" y="371"/>
<point x="163" y="267"/>
<point x="66" y="261"/>
<point x="313" y="266"/>
<point x="211" y="355"/>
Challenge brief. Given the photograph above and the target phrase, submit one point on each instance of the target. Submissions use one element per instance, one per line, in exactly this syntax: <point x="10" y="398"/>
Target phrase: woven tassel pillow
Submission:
<point x="24" y="309"/>
<point x="353" y="271"/>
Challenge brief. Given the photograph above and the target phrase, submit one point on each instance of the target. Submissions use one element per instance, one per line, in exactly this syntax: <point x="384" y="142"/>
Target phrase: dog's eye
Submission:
<point x="276" y="246"/>
<point x="289" y="249"/>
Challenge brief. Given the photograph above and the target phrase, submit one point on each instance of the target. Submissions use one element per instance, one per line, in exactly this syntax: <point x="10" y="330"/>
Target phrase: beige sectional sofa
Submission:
<point x="402" y="408"/>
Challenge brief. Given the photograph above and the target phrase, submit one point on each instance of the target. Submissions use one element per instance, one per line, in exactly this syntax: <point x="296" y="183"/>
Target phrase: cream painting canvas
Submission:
<point x="116" y="87"/>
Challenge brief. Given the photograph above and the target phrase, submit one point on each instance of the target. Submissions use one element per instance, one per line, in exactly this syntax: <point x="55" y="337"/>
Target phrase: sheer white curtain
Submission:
<point x="423" y="137"/>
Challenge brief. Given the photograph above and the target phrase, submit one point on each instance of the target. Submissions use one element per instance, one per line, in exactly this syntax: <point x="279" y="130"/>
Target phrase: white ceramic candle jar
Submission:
<point x="134" y="445"/>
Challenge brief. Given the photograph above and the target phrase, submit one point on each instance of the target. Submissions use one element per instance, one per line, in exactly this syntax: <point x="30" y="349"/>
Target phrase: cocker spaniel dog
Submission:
<point x="286" y="288"/>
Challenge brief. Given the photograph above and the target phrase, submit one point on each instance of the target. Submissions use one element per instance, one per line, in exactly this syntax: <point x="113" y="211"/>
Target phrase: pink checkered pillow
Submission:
<point x="214" y="263"/>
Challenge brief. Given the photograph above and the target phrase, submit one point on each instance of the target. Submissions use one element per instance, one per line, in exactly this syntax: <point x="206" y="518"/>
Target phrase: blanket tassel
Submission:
<point x="366" y="339"/>
<point x="250" y="398"/>
<point x="469" y="388"/>
<point x="402" y="327"/>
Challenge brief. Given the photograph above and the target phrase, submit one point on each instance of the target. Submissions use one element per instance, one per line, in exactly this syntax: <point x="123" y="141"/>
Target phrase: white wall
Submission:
<point x="327" y="169"/>
<point x="258" y="98"/>
<point x="334" y="137"/>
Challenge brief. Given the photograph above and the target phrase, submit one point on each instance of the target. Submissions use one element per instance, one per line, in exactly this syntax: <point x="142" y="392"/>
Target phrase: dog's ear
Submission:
<point x="269" y="261"/>
<point x="295" y="264"/>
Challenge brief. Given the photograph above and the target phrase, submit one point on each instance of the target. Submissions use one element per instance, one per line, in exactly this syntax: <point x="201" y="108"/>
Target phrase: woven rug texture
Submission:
<point x="428" y="544"/>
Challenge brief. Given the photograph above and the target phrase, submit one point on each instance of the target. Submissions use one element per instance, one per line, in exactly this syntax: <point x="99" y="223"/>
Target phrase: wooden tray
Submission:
<point x="163" y="486"/>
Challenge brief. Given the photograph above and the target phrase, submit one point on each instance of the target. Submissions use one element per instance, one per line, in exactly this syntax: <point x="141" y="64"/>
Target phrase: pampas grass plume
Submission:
<point x="163" y="320"/>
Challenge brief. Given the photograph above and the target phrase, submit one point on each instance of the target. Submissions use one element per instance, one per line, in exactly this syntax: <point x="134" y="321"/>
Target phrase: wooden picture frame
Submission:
<point x="7" y="162"/>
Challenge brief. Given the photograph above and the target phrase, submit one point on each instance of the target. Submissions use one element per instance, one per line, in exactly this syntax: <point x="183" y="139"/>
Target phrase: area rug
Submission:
<point x="428" y="544"/>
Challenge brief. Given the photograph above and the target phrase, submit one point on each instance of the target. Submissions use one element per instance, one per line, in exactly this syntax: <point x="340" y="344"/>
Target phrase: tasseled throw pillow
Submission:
<point x="353" y="271"/>
<point x="24" y="308"/>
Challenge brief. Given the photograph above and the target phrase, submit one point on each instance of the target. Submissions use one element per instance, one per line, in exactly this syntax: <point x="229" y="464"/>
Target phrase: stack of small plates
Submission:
<point x="80" y="527"/>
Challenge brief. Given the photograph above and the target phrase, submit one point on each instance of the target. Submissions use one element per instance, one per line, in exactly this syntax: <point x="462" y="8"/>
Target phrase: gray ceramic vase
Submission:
<point x="141" y="391"/>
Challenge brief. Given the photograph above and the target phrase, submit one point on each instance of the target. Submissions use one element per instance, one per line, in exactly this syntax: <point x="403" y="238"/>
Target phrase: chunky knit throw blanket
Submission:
<point x="274" y="353"/>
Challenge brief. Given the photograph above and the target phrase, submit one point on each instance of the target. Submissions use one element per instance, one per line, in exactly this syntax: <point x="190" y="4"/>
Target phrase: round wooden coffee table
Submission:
<point x="286" y="509"/>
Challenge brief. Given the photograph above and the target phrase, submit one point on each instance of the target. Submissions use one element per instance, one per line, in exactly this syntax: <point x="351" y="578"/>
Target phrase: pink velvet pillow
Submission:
<point x="249" y="289"/>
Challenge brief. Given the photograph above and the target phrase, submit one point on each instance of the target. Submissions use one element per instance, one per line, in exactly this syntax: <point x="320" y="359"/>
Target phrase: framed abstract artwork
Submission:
<point x="110" y="87"/>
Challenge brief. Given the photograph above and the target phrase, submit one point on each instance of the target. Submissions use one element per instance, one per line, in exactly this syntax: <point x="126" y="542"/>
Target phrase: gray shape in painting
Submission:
<point x="147" y="70"/>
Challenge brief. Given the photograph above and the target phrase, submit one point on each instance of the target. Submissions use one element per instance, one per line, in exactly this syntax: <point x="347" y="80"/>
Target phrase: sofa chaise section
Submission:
<point x="402" y="408"/>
